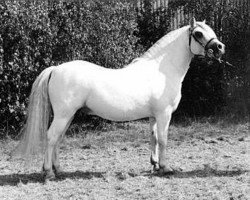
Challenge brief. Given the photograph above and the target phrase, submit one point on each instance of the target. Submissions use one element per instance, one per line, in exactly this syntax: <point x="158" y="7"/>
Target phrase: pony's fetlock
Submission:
<point x="152" y="160"/>
<point x="57" y="170"/>
<point x="156" y="167"/>
<point x="155" y="164"/>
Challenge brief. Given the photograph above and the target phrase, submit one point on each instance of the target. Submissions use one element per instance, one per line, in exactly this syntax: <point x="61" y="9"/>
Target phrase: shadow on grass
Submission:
<point x="203" y="173"/>
<point x="15" y="179"/>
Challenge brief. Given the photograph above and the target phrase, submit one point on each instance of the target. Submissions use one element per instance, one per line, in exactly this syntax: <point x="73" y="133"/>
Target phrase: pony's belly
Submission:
<point x="120" y="116"/>
<point x="119" y="111"/>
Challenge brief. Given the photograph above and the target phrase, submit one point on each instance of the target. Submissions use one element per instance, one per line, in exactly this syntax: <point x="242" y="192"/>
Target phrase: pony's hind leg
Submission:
<point x="55" y="157"/>
<point x="56" y="130"/>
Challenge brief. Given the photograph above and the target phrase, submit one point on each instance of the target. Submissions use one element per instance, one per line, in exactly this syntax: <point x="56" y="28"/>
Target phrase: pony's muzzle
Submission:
<point x="215" y="49"/>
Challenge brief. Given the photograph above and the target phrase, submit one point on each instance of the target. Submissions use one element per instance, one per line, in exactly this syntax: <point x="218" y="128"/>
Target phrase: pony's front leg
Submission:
<point x="163" y="120"/>
<point x="154" y="158"/>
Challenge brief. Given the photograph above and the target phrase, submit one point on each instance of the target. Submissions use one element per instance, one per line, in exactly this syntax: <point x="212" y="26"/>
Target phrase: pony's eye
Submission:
<point x="198" y="34"/>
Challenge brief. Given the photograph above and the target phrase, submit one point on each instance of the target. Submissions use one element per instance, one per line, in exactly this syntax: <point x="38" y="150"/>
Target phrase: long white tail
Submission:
<point x="39" y="109"/>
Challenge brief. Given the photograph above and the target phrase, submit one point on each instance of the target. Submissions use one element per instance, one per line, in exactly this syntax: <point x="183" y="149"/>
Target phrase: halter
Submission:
<point x="197" y="40"/>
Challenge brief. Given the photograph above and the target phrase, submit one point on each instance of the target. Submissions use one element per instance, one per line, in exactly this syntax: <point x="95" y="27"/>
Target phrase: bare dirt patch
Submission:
<point x="210" y="162"/>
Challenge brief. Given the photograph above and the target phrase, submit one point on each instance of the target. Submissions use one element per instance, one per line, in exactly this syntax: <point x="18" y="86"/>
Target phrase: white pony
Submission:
<point x="149" y="87"/>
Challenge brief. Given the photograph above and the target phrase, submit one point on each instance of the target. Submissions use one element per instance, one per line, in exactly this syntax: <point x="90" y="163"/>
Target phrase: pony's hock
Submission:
<point x="149" y="87"/>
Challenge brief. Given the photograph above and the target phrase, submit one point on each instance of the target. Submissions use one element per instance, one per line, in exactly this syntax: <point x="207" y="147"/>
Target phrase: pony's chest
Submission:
<point x="167" y="94"/>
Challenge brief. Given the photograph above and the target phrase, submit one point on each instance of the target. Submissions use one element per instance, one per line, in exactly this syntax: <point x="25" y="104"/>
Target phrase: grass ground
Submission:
<point x="211" y="161"/>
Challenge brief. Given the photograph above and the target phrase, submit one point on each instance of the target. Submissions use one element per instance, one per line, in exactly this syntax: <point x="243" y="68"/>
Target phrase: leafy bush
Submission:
<point x="38" y="34"/>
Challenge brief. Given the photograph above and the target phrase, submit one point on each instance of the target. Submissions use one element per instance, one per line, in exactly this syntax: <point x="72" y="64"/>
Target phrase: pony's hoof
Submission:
<point x="58" y="171"/>
<point x="166" y="171"/>
<point x="49" y="177"/>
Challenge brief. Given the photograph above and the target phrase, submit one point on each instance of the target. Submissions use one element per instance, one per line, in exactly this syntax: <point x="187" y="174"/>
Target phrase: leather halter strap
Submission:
<point x="197" y="40"/>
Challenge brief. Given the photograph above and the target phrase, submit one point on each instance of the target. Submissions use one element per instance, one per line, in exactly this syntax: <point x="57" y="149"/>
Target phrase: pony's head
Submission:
<point x="203" y="41"/>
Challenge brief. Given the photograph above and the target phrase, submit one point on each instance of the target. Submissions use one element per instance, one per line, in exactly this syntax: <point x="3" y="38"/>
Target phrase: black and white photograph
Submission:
<point x="125" y="99"/>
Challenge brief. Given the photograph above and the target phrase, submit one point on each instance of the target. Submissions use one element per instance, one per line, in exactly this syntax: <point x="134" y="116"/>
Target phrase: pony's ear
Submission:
<point x="192" y="22"/>
<point x="204" y="21"/>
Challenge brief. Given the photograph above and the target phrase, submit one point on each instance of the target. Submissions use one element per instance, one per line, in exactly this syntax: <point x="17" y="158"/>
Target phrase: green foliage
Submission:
<point x="38" y="34"/>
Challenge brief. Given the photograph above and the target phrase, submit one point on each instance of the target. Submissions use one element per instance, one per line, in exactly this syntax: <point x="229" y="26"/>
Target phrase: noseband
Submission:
<point x="205" y="46"/>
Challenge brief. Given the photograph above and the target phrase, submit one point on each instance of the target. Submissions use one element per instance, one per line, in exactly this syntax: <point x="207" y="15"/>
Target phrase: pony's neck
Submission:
<point x="172" y="53"/>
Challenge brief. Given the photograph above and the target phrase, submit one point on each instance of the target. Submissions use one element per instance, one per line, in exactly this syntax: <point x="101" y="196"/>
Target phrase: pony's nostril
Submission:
<point x="219" y="46"/>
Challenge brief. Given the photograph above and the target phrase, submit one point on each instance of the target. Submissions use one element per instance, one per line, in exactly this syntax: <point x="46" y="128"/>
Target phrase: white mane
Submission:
<point x="161" y="44"/>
